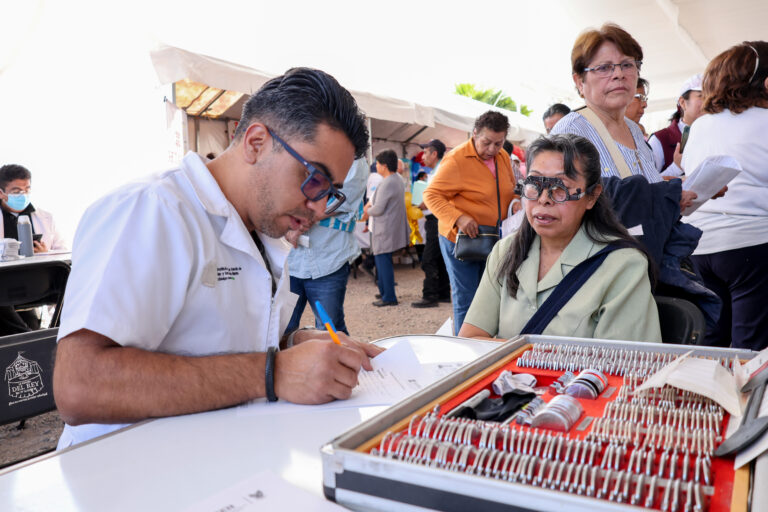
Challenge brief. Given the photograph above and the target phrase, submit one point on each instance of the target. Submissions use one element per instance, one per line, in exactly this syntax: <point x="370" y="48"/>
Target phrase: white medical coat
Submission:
<point x="42" y="221"/>
<point x="168" y="265"/>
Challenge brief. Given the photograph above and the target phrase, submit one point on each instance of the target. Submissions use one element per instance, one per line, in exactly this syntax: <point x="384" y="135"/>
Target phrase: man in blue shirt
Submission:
<point x="319" y="262"/>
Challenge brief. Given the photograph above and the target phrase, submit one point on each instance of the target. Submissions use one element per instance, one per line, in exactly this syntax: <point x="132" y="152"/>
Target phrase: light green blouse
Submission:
<point x="615" y="303"/>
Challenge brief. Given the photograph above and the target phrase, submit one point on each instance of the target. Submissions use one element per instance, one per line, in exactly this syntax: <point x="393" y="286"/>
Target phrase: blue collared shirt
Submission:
<point x="332" y="241"/>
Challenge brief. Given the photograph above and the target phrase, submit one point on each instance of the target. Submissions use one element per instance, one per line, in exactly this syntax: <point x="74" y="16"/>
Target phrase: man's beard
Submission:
<point x="269" y="225"/>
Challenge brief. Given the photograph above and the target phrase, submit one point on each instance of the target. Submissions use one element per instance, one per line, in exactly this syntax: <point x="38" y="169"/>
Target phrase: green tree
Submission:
<point x="491" y="97"/>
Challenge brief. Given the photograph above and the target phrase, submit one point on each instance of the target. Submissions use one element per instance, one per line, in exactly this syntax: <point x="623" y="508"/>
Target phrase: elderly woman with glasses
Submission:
<point x="570" y="241"/>
<point x="732" y="255"/>
<point x="606" y="67"/>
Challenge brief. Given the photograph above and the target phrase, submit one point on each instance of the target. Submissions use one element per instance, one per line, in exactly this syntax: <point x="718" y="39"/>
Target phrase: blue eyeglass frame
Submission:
<point x="337" y="195"/>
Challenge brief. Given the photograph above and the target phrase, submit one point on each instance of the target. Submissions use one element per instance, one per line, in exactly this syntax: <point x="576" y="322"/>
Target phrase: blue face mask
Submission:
<point x="18" y="202"/>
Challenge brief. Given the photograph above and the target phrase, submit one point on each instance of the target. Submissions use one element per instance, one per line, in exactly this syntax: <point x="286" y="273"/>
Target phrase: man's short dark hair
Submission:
<point x="437" y="145"/>
<point x="295" y="103"/>
<point x="10" y="172"/>
<point x="388" y="158"/>
<point x="494" y="121"/>
<point x="557" y="108"/>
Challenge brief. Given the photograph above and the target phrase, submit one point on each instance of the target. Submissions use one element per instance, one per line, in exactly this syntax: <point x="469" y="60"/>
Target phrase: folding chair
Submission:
<point x="681" y="321"/>
<point x="34" y="284"/>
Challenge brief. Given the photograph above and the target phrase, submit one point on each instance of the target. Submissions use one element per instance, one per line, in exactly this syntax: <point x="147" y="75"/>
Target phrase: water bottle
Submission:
<point x="25" y="236"/>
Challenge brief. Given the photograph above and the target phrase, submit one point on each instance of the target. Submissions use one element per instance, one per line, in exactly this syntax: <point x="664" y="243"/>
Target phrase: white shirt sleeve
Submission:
<point x="658" y="152"/>
<point x="673" y="170"/>
<point x="132" y="259"/>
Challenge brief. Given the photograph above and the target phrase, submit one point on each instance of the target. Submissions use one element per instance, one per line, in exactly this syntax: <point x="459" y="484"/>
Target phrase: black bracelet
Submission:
<point x="269" y="374"/>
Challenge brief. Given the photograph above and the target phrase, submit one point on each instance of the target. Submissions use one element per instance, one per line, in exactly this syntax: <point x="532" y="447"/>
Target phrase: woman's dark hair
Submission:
<point x="494" y="121"/>
<point x="388" y="158"/>
<point x="642" y="82"/>
<point x="735" y="79"/>
<point x="601" y="223"/>
<point x="295" y="103"/>
<point x="679" y="112"/>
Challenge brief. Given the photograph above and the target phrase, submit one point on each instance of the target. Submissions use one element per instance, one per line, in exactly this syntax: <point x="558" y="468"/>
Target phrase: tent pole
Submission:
<point x="369" y="153"/>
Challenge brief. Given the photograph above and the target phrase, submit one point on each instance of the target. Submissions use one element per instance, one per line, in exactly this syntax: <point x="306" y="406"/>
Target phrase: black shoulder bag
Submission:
<point x="478" y="248"/>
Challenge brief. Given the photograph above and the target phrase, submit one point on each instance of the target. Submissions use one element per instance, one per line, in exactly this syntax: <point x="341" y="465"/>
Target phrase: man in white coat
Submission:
<point x="15" y="196"/>
<point x="179" y="294"/>
<point x="15" y="200"/>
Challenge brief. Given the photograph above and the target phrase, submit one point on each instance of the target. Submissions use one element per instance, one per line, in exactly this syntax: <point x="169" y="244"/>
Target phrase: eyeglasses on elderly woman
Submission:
<point x="606" y="70"/>
<point x="318" y="184"/>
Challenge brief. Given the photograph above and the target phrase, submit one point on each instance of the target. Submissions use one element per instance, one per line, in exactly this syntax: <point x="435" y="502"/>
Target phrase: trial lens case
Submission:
<point x="355" y="478"/>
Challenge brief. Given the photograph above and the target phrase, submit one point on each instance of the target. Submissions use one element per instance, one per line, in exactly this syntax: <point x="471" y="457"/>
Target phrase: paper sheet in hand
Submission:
<point x="397" y="373"/>
<point x="709" y="178"/>
<point x="757" y="364"/>
<point x="264" y="492"/>
<point x="703" y="376"/>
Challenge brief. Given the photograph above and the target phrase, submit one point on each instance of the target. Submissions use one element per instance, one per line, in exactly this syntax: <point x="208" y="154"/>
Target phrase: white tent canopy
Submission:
<point x="56" y="63"/>
<point x="392" y="120"/>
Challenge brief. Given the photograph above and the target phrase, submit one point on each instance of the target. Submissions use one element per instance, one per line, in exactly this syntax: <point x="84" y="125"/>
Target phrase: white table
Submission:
<point x="173" y="463"/>
<point x="45" y="257"/>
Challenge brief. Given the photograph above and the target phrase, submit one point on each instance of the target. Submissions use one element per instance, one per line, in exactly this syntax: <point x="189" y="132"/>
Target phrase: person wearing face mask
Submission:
<point x="15" y="186"/>
<point x="570" y="240"/>
<point x="463" y="196"/>
<point x="15" y="194"/>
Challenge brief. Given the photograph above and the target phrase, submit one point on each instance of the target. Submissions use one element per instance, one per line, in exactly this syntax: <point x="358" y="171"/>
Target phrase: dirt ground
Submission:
<point x="364" y="321"/>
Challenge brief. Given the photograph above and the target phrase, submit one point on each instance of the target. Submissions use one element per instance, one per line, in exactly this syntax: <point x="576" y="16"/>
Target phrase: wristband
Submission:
<point x="270" y="374"/>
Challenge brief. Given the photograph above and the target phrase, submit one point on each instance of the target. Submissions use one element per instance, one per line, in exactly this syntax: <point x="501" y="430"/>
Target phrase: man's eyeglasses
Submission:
<point x="318" y="184"/>
<point x="642" y="97"/>
<point x="606" y="70"/>
<point x="533" y="186"/>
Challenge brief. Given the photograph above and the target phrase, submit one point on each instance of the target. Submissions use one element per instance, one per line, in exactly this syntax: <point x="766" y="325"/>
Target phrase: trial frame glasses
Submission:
<point x="606" y="70"/>
<point x="533" y="186"/>
<point x="318" y="184"/>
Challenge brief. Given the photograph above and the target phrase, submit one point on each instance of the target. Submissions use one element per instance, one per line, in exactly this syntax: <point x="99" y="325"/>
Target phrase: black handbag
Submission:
<point x="478" y="248"/>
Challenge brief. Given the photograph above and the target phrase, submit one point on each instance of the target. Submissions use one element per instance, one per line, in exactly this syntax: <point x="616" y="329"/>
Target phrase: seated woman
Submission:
<point x="567" y="221"/>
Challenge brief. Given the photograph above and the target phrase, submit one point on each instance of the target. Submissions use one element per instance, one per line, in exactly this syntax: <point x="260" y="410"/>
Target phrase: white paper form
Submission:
<point x="757" y="364"/>
<point x="264" y="492"/>
<point x="396" y="374"/>
<point x="709" y="178"/>
<point x="703" y="376"/>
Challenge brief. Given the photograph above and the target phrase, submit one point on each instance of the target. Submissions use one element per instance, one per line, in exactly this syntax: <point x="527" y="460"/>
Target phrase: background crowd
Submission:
<point x="714" y="257"/>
